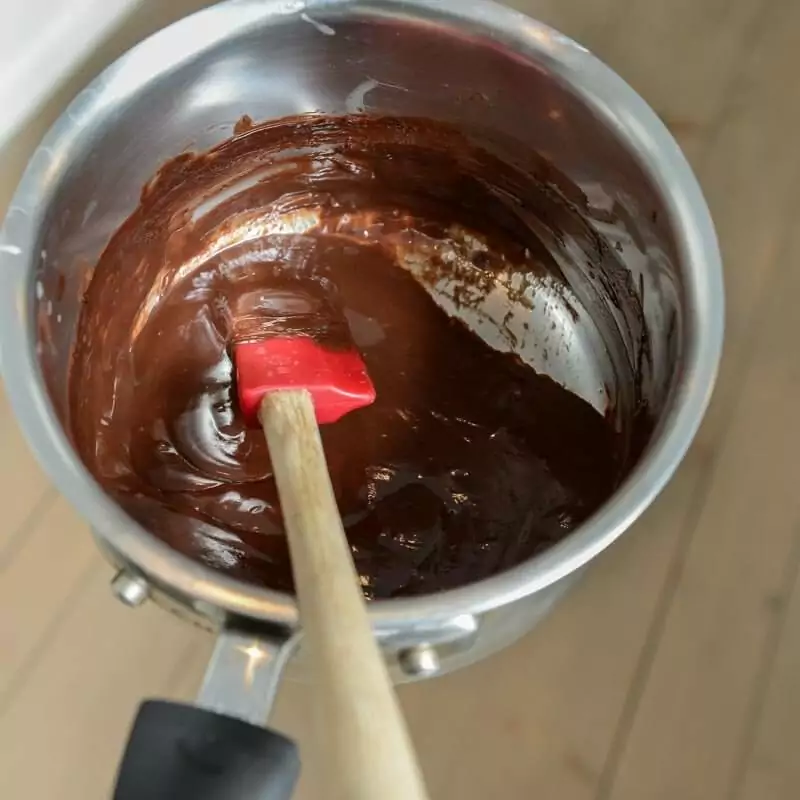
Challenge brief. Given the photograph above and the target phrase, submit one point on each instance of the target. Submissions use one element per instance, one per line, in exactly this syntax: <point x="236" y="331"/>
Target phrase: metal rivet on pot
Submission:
<point x="130" y="589"/>
<point x="419" y="661"/>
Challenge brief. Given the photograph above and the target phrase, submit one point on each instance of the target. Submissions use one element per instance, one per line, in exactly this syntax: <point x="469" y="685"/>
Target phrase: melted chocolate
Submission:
<point x="468" y="463"/>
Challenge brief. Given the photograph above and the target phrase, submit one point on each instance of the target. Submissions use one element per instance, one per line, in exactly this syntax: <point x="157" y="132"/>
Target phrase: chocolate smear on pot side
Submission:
<point x="468" y="463"/>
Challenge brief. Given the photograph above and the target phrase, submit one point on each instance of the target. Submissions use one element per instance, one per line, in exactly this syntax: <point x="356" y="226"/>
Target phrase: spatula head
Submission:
<point x="337" y="379"/>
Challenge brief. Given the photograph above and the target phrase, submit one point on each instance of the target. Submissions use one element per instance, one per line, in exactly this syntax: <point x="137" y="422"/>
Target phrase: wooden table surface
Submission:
<point x="673" y="671"/>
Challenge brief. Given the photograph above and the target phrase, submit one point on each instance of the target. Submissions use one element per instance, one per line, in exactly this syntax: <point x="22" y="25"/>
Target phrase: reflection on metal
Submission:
<point x="132" y="590"/>
<point x="256" y="655"/>
<point x="421" y="661"/>
<point x="243" y="675"/>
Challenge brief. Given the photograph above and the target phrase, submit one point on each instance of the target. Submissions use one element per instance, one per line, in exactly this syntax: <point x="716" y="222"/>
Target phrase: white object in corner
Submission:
<point x="41" y="43"/>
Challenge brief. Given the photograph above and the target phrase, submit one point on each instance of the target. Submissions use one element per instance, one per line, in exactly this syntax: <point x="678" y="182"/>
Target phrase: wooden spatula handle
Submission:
<point x="368" y="751"/>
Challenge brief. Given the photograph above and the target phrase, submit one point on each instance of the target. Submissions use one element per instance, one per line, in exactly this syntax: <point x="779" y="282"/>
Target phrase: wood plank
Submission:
<point x="750" y="179"/>
<point x="37" y="586"/>
<point x="432" y="706"/>
<point x="694" y="712"/>
<point x="75" y="708"/>
<point x="560" y="690"/>
<point x="558" y="693"/>
<point x="749" y="176"/>
<point x="544" y="712"/>
<point x="25" y="488"/>
<point x="682" y="56"/>
<point x="769" y="766"/>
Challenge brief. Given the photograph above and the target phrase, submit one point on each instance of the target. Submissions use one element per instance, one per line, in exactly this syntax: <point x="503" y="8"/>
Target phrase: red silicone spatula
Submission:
<point x="337" y="380"/>
<point x="290" y="384"/>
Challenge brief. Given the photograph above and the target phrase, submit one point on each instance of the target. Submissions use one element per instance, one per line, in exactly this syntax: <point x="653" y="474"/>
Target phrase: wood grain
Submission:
<point x="25" y="488"/>
<point x="670" y="672"/>
<point x="694" y="713"/>
<point x="38" y="588"/>
<point x="362" y="732"/>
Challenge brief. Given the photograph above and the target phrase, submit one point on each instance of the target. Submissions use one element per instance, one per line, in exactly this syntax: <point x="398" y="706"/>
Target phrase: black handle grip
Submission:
<point x="181" y="752"/>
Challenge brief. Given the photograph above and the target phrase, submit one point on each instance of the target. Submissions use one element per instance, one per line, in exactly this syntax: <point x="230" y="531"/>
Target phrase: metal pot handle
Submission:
<point x="217" y="748"/>
<point x="245" y="671"/>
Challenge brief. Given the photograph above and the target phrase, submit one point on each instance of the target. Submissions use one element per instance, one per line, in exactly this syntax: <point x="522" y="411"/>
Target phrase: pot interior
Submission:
<point x="610" y="328"/>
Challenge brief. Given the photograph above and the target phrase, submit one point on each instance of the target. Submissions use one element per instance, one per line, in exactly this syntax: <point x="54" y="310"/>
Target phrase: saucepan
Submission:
<point x="477" y="65"/>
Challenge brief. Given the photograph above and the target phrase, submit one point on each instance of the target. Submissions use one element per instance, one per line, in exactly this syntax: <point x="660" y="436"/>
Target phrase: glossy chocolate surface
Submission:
<point x="468" y="463"/>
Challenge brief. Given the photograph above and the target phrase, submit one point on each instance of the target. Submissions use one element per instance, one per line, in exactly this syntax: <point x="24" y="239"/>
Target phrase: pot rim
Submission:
<point x="611" y="99"/>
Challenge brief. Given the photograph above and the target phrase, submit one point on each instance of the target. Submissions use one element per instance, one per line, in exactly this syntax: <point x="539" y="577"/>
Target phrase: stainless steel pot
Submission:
<point x="471" y="62"/>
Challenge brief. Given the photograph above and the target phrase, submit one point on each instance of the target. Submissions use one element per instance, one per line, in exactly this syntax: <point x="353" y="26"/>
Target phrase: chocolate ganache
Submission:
<point x="468" y="462"/>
